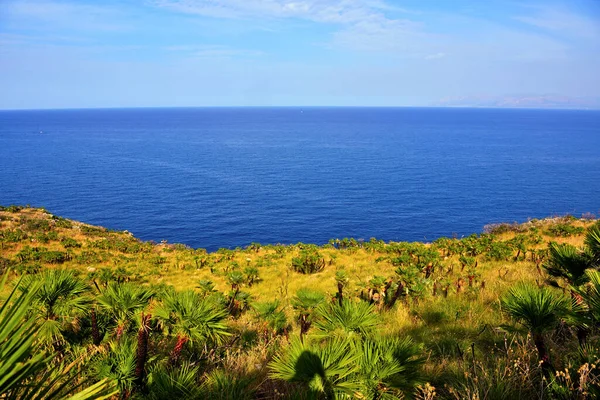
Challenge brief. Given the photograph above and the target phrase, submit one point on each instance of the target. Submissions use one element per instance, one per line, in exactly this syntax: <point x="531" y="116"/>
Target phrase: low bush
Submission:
<point x="309" y="261"/>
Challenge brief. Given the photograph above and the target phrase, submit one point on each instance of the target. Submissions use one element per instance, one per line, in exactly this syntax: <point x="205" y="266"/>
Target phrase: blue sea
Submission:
<point x="226" y="177"/>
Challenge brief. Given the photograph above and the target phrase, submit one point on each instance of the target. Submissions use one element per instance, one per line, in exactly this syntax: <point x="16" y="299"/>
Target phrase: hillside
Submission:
<point x="445" y="297"/>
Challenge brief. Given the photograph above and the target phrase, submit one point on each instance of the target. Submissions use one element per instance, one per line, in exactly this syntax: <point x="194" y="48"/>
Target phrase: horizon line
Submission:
<point x="298" y="106"/>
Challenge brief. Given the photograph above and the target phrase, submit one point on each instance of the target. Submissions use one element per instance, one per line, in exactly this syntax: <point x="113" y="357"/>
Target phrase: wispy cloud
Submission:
<point x="330" y="11"/>
<point x="562" y="21"/>
<point x="83" y="17"/>
<point x="362" y="24"/>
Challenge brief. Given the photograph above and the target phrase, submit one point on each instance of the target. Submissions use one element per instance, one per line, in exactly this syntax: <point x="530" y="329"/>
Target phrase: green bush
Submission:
<point x="60" y="222"/>
<point x="309" y="261"/>
<point x="13" y="236"/>
<point x="564" y="230"/>
<point x="53" y="257"/>
<point x="68" y="242"/>
<point x="35" y="224"/>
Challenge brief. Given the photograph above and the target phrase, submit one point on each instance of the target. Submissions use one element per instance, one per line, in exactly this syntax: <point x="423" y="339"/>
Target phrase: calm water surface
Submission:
<point x="226" y="177"/>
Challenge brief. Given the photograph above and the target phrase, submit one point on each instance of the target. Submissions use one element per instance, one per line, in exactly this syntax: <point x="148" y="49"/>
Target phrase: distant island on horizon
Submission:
<point x="526" y="101"/>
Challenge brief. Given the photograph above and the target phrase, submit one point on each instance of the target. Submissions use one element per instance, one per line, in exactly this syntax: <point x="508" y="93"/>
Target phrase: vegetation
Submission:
<point x="86" y="312"/>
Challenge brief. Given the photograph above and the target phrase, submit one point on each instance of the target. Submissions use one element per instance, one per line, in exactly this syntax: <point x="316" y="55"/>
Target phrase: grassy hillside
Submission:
<point x="446" y="297"/>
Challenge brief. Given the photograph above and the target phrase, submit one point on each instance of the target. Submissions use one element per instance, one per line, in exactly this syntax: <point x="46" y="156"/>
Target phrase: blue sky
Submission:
<point x="57" y="54"/>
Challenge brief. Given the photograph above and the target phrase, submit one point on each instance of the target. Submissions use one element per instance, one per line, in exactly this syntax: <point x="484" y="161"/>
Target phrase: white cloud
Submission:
<point x="331" y="11"/>
<point x="83" y="17"/>
<point x="561" y="20"/>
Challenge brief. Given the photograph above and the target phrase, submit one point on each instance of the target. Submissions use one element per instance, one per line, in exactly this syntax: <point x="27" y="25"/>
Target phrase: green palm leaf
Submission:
<point x="346" y="319"/>
<point x="326" y="368"/>
<point x="538" y="309"/>
<point x="567" y="262"/>
<point x="25" y="371"/>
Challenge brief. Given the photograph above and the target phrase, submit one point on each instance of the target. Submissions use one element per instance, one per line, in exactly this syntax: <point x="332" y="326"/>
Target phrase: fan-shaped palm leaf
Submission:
<point x="389" y="367"/>
<point x="567" y="262"/>
<point x="191" y="318"/>
<point x="592" y="241"/>
<point x="326" y="368"/>
<point x="170" y="383"/>
<point x="24" y="372"/>
<point x="122" y="301"/>
<point x="539" y="310"/>
<point x="61" y="297"/>
<point x="346" y="319"/>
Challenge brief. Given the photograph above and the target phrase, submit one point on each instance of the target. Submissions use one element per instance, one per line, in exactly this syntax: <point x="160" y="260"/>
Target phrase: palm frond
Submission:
<point x="567" y="262"/>
<point x="538" y="309"/>
<point x="346" y="319"/>
<point x="592" y="241"/>
<point x="325" y="368"/>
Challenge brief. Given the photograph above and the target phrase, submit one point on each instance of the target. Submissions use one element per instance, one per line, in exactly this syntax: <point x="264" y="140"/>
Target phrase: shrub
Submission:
<point x="69" y="243"/>
<point x="564" y="230"/>
<point x="93" y="231"/>
<point x="499" y="251"/>
<point x="30" y="254"/>
<point x="309" y="261"/>
<point x="53" y="257"/>
<point x="36" y="224"/>
<point x="60" y="222"/>
<point x="88" y="257"/>
<point x="13" y="236"/>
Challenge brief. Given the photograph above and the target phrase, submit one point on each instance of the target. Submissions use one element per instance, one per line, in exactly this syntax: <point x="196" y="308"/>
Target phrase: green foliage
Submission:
<point x="118" y="365"/>
<point x="273" y="316"/>
<point x="346" y="320"/>
<point x="175" y="383"/>
<point x="567" y="262"/>
<point x="223" y="385"/>
<point x="325" y="369"/>
<point x="35" y="224"/>
<point x="60" y="222"/>
<point x="562" y="229"/>
<point x="251" y="275"/>
<point x="592" y="241"/>
<point x="499" y="251"/>
<point x="538" y="309"/>
<point x="24" y="368"/>
<point x="13" y="236"/>
<point x="389" y="367"/>
<point x="309" y="261"/>
<point x="59" y="300"/>
<point x="122" y="302"/>
<point x="187" y="314"/>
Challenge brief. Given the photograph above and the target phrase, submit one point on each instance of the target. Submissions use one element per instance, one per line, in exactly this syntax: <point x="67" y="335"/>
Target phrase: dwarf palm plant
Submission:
<point x="539" y="310"/>
<point x="388" y="367"/>
<point x="306" y="302"/>
<point x="567" y="262"/>
<point x="342" y="280"/>
<point x="273" y="316"/>
<point x="346" y="319"/>
<point x="174" y="383"/>
<point x="590" y="294"/>
<point x="24" y="372"/>
<point x="592" y="241"/>
<point x="190" y="318"/>
<point x="122" y="301"/>
<point x="324" y="369"/>
<point x="118" y="364"/>
<point x="60" y="299"/>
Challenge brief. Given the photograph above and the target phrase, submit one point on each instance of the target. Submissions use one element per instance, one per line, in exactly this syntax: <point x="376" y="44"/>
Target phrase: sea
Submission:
<point x="226" y="177"/>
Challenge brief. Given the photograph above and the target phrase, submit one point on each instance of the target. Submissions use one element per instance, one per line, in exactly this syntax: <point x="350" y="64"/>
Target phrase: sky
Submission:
<point x="153" y="53"/>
